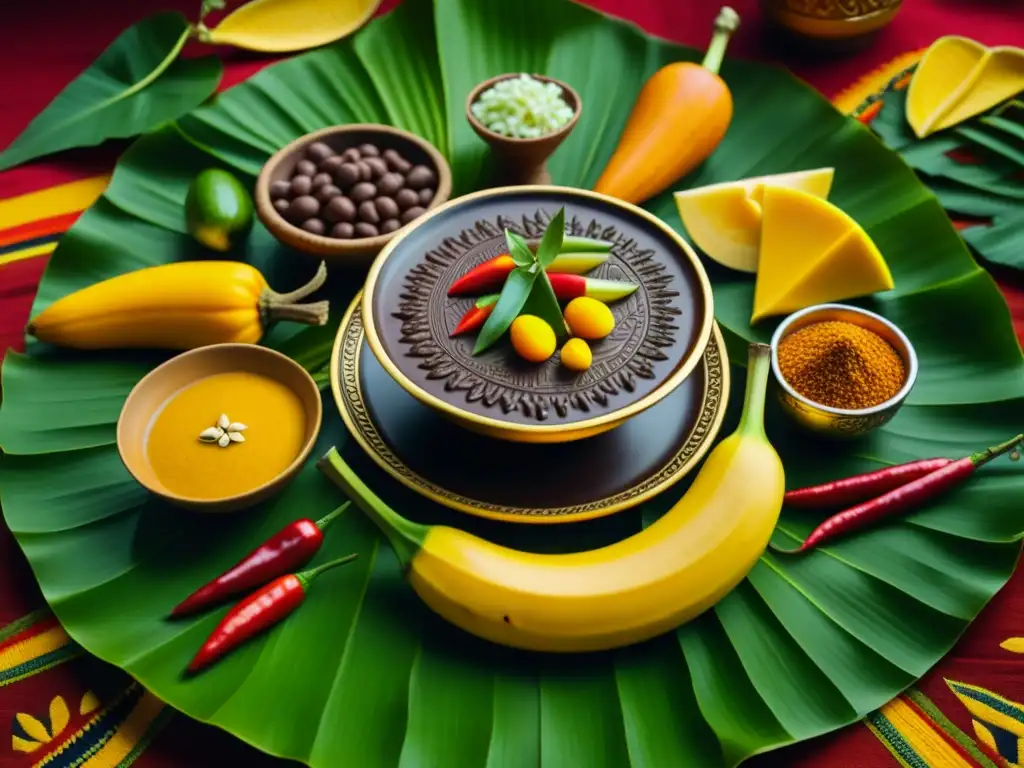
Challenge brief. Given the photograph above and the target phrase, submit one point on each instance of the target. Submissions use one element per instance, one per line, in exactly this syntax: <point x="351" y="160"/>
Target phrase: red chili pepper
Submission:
<point x="850" y="490"/>
<point x="906" y="497"/>
<point x="476" y="315"/>
<point x="490" y="276"/>
<point x="259" y="611"/>
<point x="292" y="546"/>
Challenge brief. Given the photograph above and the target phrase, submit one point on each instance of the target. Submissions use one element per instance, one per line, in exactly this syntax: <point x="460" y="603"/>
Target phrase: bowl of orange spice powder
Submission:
<point x="842" y="371"/>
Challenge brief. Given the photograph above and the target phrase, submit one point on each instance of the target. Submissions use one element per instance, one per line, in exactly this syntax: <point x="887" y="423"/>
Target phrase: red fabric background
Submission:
<point x="45" y="43"/>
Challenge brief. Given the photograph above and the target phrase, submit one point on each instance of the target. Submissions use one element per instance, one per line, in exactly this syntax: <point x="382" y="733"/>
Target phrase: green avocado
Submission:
<point x="218" y="209"/>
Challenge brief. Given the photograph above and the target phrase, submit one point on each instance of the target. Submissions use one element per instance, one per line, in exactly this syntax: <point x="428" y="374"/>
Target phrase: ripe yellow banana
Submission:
<point x="621" y="594"/>
<point x="182" y="305"/>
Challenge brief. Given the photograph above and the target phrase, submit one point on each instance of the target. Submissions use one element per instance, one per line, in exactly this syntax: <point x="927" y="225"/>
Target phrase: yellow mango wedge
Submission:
<point x="724" y="220"/>
<point x="812" y="253"/>
<point x="278" y="26"/>
<point x="959" y="78"/>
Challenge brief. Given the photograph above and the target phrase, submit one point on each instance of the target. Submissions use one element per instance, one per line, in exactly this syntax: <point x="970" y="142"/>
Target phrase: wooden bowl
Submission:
<point x="524" y="161"/>
<point x="340" y="137"/>
<point x="831" y="22"/>
<point x="155" y="389"/>
<point x="661" y="333"/>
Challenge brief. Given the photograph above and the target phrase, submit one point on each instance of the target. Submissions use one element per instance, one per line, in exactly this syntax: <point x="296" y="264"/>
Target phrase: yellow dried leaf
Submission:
<point x="1013" y="644"/>
<point x="959" y="78"/>
<point x="279" y="26"/>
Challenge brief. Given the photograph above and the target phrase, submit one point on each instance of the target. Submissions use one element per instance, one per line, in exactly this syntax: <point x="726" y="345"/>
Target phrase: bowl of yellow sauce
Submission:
<point x="219" y="428"/>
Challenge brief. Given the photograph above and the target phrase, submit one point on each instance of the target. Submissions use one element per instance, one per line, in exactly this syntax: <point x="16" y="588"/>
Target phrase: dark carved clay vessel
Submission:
<point x="660" y="334"/>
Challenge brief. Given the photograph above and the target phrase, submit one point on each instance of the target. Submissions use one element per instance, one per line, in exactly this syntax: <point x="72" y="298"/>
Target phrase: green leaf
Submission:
<point x="543" y="303"/>
<point x="1002" y="241"/>
<point x="519" y="250"/>
<point x="364" y="673"/>
<point x="551" y="241"/>
<point x="1004" y="141"/>
<point x="510" y="303"/>
<point x="136" y="84"/>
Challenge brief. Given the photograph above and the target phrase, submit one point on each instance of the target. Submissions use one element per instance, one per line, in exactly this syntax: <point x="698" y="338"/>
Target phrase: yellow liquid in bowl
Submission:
<point x="276" y="427"/>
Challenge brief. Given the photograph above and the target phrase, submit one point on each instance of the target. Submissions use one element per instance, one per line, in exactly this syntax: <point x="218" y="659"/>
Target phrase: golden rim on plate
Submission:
<point x="348" y="396"/>
<point x="500" y="426"/>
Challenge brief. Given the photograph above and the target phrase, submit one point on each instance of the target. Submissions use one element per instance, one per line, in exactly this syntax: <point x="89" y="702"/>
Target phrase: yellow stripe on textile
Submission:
<point x="847" y="100"/>
<point x="27" y="253"/>
<point x="128" y="734"/>
<point x="55" y="201"/>
<point x="921" y="736"/>
<point x="33" y="648"/>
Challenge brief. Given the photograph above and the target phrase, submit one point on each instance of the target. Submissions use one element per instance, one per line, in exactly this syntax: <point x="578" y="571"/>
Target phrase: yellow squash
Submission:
<point x="724" y="220"/>
<point x="621" y="594"/>
<point x="183" y="305"/>
<point x="812" y="252"/>
<point x="278" y="26"/>
<point x="958" y="79"/>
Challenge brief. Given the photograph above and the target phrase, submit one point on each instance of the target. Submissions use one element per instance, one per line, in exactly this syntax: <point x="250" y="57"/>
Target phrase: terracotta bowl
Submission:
<point x="340" y="137"/>
<point x="662" y="329"/>
<point x="524" y="161"/>
<point x="153" y="391"/>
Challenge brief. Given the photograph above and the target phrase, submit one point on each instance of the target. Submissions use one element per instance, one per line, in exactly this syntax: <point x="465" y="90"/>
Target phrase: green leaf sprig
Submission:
<point x="527" y="286"/>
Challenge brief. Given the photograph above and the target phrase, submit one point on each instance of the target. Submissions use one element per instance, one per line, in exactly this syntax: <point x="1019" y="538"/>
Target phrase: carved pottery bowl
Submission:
<point x="660" y="334"/>
<point x="825" y="21"/>
<point x="840" y="422"/>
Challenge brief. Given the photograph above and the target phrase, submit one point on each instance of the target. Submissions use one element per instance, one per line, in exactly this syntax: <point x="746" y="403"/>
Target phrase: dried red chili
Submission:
<point x="850" y="490"/>
<point x="261" y="610"/>
<point x="906" y="497"/>
<point x="292" y="546"/>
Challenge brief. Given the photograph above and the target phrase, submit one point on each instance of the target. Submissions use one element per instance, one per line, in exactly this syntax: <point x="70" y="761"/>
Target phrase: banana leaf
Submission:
<point x="137" y="84"/>
<point x="363" y="674"/>
<point x="976" y="170"/>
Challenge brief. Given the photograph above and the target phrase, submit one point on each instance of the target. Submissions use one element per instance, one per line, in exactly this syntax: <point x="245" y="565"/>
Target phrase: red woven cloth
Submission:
<point x="44" y="44"/>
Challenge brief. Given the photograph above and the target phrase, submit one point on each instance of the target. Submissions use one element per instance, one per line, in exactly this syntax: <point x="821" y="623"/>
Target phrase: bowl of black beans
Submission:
<point x="343" y="192"/>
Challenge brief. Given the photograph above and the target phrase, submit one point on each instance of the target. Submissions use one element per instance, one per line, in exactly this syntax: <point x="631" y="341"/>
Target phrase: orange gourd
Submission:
<point x="680" y="117"/>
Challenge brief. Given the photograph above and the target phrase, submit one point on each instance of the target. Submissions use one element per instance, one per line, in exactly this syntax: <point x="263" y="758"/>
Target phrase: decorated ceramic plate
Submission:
<point x="661" y="329"/>
<point x="481" y="475"/>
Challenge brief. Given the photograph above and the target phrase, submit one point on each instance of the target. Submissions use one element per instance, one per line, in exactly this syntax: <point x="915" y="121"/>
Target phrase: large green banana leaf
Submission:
<point x="363" y="674"/>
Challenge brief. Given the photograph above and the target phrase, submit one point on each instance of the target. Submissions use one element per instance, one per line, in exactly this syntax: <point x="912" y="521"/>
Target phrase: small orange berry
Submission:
<point x="576" y="355"/>
<point x="532" y="338"/>
<point x="588" y="318"/>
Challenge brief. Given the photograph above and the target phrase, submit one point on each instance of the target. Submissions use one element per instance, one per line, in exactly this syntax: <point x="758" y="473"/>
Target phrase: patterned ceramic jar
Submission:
<point x="831" y="20"/>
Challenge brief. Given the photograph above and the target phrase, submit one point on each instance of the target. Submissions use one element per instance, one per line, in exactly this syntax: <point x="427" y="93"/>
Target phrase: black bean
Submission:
<point x="368" y="150"/>
<point x="377" y="167"/>
<point x="281" y="205"/>
<point x="386" y="207"/>
<point x="420" y="177"/>
<point x="331" y="165"/>
<point x="406" y="198"/>
<point x="314" y="226"/>
<point x="301" y="185"/>
<point x="396" y="162"/>
<point x="411" y="214"/>
<point x="343" y="230"/>
<point x="304" y="168"/>
<point x="364" y="190"/>
<point x="322" y="179"/>
<point x="302" y="208"/>
<point x="389" y="225"/>
<point x="365" y="171"/>
<point x="325" y="193"/>
<point x="368" y="212"/>
<point x="426" y="195"/>
<point x="339" y="209"/>
<point x="318" y="152"/>
<point x="346" y="175"/>
<point x="279" y="189"/>
<point x="366" y="230"/>
<point x="390" y="183"/>
<point x="351" y="155"/>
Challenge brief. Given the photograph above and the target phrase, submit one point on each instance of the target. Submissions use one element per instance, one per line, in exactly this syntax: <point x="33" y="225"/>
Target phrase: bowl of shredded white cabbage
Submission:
<point x="524" y="118"/>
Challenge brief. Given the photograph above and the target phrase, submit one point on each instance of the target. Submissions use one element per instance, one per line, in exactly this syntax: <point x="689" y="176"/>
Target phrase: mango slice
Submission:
<point x="724" y="220"/>
<point x="959" y="78"/>
<point x="279" y="26"/>
<point x="812" y="253"/>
